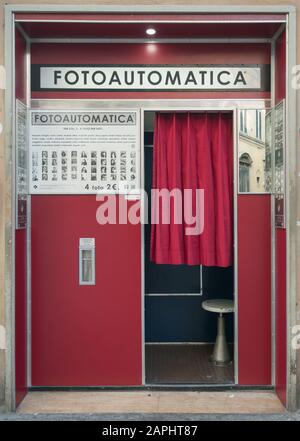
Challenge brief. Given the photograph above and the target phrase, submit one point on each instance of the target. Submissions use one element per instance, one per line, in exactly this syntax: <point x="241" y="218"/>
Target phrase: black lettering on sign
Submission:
<point x="190" y="78"/>
<point x="221" y="76"/>
<point x="173" y="78"/>
<point x="240" y="78"/>
<point x="115" y="78"/>
<point x="98" y="77"/>
<point x="158" y="78"/>
<point x="72" y="74"/>
<point x="150" y="77"/>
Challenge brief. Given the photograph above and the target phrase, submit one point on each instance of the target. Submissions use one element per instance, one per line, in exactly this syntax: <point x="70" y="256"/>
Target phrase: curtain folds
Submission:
<point x="193" y="151"/>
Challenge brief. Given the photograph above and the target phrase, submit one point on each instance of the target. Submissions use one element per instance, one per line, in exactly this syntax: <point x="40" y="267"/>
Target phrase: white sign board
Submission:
<point x="21" y="165"/>
<point x="84" y="151"/>
<point x="279" y="169"/>
<point x="147" y="78"/>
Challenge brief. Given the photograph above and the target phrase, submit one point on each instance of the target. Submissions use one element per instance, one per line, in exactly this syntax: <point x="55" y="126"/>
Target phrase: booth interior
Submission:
<point x="179" y="333"/>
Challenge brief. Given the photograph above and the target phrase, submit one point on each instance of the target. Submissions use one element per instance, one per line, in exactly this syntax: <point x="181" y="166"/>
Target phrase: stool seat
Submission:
<point x="220" y="354"/>
<point x="221" y="306"/>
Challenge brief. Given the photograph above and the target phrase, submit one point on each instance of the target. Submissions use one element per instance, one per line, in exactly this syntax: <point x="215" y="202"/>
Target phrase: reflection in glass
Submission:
<point x="244" y="175"/>
<point x="254" y="153"/>
<point x="87" y="266"/>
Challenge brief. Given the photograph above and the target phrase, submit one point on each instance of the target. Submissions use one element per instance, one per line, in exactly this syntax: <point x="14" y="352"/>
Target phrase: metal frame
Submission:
<point x="148" y="40"/>
<point x="291" y="213"/>
<point x="235" y="244"/>
<point x="28" y="232"/>
<point x="150" y="104"/>
<point x="273" y="244"/>
<point x="55" y="20"/>
<point x="152" y="9"/>
<point x="10" y="10"/>
<point x="187" y="294"/>
<point x="142" y="208"/>
<point x="9" y="288"/>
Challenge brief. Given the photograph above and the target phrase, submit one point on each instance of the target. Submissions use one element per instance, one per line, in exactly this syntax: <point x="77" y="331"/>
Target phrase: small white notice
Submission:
<point x="84" y="152"/>
<point x="87" y="242"/>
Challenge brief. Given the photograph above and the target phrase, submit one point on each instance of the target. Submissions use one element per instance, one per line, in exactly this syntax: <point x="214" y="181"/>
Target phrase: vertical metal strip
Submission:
<point x="287" y="220"/>
<point x="9" y="269"/>
<point x="291" y="214"/>
<point x="13" y="212"/>
<point x="28" y="229"/>
<point x="201" y="280"/>
<point x="142" y="201"/>
<point x="273" y="243"/>
<point x="235" y="224"/>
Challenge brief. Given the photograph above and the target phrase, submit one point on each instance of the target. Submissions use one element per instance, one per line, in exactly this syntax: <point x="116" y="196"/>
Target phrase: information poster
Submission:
<point x="268" y="153"/>
<point x="279" y="169"/>
<point x="21" y="165"/>
<point x="84" y="152"/>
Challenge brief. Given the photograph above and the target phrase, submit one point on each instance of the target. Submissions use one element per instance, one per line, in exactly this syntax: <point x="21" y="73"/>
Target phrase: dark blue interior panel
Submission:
<point x="172" y="318"/>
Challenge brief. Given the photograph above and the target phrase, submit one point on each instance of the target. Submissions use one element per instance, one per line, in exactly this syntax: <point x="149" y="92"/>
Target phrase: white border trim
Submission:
<point x="153" y="9"/>
<point x="291" y="213"/>
<point x="9" y="276"/>
<point x="148" y="40"/>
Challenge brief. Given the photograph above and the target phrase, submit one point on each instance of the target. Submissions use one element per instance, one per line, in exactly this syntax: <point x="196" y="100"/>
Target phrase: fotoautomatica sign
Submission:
<point x="149" y="78"/>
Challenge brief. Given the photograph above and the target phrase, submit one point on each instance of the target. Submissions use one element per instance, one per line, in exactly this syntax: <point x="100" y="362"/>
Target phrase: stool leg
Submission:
<point x="221" y="352"/>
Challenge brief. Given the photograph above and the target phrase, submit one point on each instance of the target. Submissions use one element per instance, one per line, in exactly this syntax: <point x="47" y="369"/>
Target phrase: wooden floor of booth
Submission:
<point x="184" y="364"/>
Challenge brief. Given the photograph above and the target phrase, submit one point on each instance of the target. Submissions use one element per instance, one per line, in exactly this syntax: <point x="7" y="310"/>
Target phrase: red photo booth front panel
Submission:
<point x="254" y="290"/>
<point x="92" y="335"/>
<point x="84" y="335"/>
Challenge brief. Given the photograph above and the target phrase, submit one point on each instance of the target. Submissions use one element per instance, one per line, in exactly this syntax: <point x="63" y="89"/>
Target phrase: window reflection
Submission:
<point x="254" y="151"/>
<point x="87" y="272"/>
<point x="244" y="172"/>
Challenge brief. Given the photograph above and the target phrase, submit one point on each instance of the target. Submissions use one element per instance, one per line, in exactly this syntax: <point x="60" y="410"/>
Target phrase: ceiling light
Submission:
<point x="150" y="31"/>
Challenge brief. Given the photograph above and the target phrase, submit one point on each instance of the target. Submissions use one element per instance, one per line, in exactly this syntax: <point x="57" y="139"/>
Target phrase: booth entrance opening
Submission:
<point x="179" y="333"/>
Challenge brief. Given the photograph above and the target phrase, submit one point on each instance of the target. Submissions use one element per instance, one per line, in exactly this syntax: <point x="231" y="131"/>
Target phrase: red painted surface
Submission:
<point x="64" y="29"/>
<point x="62" y="309"/>
<point x="281" y="314"/>
<point x="280" y="68"/>
<point x="84" y="335"/>
<point x="20" y="252"/>
<point x="254" y="289"/>
<point x="150" y="54"/>
<point x="21" y="316"/>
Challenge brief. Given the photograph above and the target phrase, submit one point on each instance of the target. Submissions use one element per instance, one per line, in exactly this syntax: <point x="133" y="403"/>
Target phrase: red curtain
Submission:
<point x="193" y="151"/>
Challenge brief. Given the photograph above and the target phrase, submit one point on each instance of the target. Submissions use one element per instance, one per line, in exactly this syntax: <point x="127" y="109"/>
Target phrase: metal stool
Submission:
<point x="220" y="354"/>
